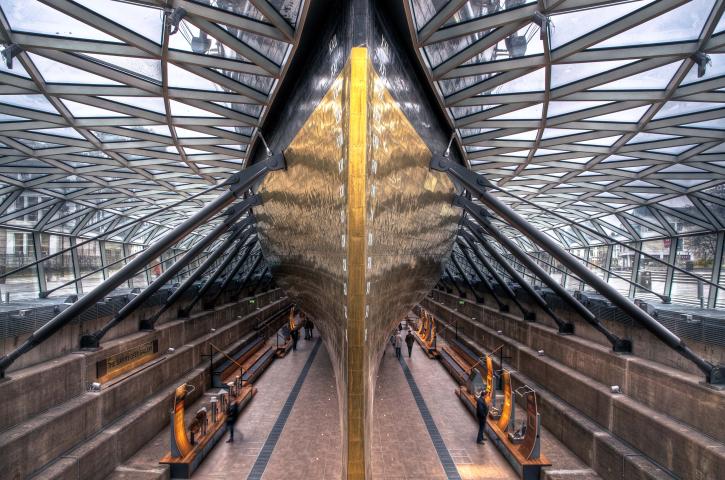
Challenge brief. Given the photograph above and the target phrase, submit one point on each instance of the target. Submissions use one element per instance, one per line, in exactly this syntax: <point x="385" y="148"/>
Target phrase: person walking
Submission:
<point x="481" y="415"/>
<point x="312" y="327"/>
<point x="398" y="344"/>
<point x="409" y="340"/>
<point x="295" y="334"/>
<point x="232" y="413"/>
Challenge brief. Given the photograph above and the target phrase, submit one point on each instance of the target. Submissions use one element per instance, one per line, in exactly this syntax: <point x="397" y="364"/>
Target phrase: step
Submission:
<point x="98" y="456"/>
<point x="608" y="456"/>
<point x="60" y="428"/>
<point x="56" y="381"/>
<point x="646" y="381"/>
<point x="617" y="413"/>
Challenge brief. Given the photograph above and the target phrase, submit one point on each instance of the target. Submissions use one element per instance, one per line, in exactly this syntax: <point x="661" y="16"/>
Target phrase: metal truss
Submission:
<point x="112" y="109"/>
<point x="607" y="117"/>
<point x="670" y="153"/>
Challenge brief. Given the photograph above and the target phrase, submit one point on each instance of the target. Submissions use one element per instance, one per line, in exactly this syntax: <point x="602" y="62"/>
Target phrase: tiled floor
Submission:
<point x="235" y="460"/>
<point x="454" y="422"/>
<point x="310" y="444"/>
<point x="401" y="446"/>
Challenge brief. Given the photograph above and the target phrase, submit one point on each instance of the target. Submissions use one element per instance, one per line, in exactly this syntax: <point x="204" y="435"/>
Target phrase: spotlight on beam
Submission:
<point x="702" y="60"/>
<point x="9" y="52"/>
<point x="174" y="19"/>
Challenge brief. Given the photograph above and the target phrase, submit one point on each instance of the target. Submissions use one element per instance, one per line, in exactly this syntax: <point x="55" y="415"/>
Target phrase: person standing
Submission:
<point x="481" y="415"/>
<point x="295" y="334"/>
<point x="409" y="340"/>
<point x="312" y="327"/>
<point x="232" y="413"/>
<point x="398" y="344"/>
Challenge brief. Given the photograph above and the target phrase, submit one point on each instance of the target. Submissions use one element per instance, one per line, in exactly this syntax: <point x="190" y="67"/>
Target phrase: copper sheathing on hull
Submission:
<point x="355" y="231"/>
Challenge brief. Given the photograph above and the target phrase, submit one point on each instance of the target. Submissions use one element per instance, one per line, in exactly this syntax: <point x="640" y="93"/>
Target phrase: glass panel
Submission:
<point x="581" y="254"/>
<point x="721" y="291"/>
<point x="155" y="268"/>
<point x="569" y="26"/>
<point x="33" y="16"/>
<point x="695" y="254"/>
<point x="652" y="273"/>
<point x="89" y="260"/>
<point x="623" y="259"/>
<point x="597" y="259"/>
<point x="139" y="280"/>
<point x="16" y="250"/>
<point x="59" y="269"/>
<point x="657" y="78"/>
<point x="146" y="21"/>
<point x="679" y="24"/>
<point x="56" y="72"/>
<point x="114" y="253"/>
<point x="26" y="201"/>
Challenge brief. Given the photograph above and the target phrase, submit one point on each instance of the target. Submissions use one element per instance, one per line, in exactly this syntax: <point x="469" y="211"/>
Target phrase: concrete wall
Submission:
<point x="72" y="372"/>
<point x="665" y="415"/>
<point x="72" y="418"/>
<point x="646" y="345"/>
<point x="67" y="339"/>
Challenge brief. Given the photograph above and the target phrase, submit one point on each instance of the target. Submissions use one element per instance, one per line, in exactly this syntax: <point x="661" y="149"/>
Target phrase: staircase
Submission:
<point x="663" y="424"/>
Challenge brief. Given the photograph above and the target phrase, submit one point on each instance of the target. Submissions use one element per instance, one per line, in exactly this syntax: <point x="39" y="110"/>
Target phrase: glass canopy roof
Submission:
<point x="103" y="115"/>
<point x="605" y="114"/>
<point x="596" y="120"/>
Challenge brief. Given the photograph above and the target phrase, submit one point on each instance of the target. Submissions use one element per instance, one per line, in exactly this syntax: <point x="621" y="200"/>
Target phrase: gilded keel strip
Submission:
<point x="355" y="231"/>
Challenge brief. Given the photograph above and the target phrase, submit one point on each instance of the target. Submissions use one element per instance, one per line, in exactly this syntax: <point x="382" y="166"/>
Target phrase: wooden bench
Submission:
<point x="456" y="366"/>
<point x="230" y="362"/>
<point x="257" y="364"/>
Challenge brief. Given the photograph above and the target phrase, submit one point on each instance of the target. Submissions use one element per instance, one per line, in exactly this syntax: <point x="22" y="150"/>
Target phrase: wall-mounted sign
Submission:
<point x="122" y="362"/>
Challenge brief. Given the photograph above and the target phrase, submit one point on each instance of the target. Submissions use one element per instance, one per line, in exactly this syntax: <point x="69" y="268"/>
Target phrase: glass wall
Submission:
<point x="598" y="260"/>
<point x="652" y="273"/>
<point x="16" y="250"/>
<point x="89" y="262"/>
<point x="113" y="253"/>
<point x="695" y="254"/>
<point x="623" y="260"/>
<point x="140" y="280"/>
<point x="59" y="269"/>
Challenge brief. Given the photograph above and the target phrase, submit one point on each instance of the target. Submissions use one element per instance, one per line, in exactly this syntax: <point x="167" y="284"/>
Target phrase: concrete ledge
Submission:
<point x="653" y="384"/>
<point x="50" y="385"/>
<point x="33" y="444"/>
<point x="98" y="457"/>
<point x="656" y="435"/>
<point x="128" y="473"/>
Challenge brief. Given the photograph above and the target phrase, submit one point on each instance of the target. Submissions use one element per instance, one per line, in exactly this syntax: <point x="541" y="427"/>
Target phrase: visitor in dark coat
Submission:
<point x="409" y="340"/>
<point x="481" y="415"/>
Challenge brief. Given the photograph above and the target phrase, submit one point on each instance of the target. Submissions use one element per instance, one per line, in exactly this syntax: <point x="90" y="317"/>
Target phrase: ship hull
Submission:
<point x="356" y="229"/>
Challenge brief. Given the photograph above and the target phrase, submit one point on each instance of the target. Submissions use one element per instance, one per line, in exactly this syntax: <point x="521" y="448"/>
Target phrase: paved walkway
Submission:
<point x="309" y="445"/>
<point x="455" y="424"/>
<point x="235" y="460"/>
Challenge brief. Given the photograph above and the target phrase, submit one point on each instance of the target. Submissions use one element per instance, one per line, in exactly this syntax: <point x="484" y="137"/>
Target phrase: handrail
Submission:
<point x="664" y="298"/>
<point x="112" y="231"/>
<point x="605" y="236"/>
<point x="241" y="368"/>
